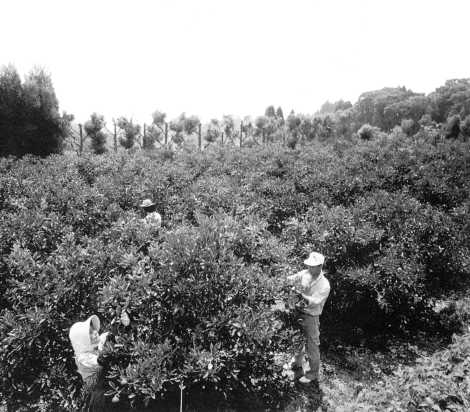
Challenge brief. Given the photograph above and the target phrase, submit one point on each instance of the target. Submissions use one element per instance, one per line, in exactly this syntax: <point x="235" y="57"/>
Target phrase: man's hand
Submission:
<point x="305" y="297"/>
<point x="297" y="292"/>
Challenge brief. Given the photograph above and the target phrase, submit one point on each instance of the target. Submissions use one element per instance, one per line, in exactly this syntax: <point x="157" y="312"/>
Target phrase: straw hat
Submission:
<point x="147" y="203"/>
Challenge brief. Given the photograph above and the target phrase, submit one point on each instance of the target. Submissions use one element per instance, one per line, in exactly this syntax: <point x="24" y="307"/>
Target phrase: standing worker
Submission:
<point x="314" y="288"/>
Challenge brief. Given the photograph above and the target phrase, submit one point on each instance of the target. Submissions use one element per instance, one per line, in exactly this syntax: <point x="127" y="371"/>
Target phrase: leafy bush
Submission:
<point x="465" y="127"/>
<point x="201" y="309"/>
<point x="409" y="126"/>
<point x="367" y="132"/>
<point x="437" y="382"/>
<point x="390" y="214"/>
<point x="452" y="127"/>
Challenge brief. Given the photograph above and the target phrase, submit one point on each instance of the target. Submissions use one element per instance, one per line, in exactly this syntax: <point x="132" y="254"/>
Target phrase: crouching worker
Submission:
<point x="313" y="288"/>
<point x="152" y="218"/>
<point x="91" y="355"/>
<point x="152" y="221"/>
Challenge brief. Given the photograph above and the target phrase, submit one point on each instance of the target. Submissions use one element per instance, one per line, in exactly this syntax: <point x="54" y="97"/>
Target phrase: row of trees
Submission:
<point x="30" y="121"/>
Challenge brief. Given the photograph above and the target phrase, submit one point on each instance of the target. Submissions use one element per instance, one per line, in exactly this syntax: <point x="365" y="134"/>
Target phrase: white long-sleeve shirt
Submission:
<point x="315" y="291"/>
<point x="87" y="364"/>
<point x="86" y="352"/>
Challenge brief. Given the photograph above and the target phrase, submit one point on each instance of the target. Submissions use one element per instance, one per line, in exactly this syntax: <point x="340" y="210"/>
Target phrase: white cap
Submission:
<point x="315" y="259"/>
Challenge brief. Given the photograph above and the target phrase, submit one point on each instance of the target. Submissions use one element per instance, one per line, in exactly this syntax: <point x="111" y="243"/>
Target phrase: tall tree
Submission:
<point x="94" y="130"/>
<point x="228" y="126"/>
<point x="270" y="112"/>
<point x="280" y="116"/>
<point x="452" y="127"/>
<point x="156" y="130"/>
<point x="328" y="108"/>
<point x="266" y="126"/>
<point x="451" y="99"/>
<point x="370" y="107"/>
<point x="184" y="125"/>
<point x="213" y="131"/>
<point x="412" y="108"/>
<point x="191" y="124"/>
<point x="177" y="127"/>
<point x="29" y="114"/>
<point x="465" y="128"/>
<point x="129" y="132"/>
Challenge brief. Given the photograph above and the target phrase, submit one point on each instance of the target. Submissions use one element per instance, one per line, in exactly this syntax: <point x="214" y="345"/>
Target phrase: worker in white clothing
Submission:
<point x="313" y="288"/>
<point x="152" y="217"/>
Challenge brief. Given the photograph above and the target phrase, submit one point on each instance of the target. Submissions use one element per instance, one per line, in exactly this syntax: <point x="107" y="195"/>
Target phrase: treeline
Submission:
<point x="30" y="121"/>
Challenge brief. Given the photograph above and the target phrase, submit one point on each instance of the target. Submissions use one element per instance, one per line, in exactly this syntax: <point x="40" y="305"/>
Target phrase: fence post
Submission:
<point x="241" y="134"/>
<point x="115" y="136"/>
<point x="199" y="138"/>
<point x="166" y="133"/>
<point x="81" y="138"/>
<point x="222" y="136"/>
<point x="143" y="137"/>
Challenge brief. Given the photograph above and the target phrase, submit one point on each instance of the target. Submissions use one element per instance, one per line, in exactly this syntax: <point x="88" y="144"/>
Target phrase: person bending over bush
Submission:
<point x="92" y="354"/>
<point x="152" y="220"/>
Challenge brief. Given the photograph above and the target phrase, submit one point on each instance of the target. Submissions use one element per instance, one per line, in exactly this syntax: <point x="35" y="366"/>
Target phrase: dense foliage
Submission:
<point x="436" y="383"/>
<point x="390" y="213"/>
<point x="29" y="114"/>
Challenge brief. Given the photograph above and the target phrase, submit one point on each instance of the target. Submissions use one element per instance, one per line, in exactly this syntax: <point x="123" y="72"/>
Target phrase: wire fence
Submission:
<point x="146" y="137"/>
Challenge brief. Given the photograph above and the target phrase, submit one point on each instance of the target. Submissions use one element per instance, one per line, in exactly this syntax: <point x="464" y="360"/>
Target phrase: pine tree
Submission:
<point x="94" y="130"/>
<point x="29" y="114"/>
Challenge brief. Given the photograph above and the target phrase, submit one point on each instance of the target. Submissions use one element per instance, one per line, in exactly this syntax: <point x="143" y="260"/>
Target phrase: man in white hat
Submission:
<point x="314" y="288"/>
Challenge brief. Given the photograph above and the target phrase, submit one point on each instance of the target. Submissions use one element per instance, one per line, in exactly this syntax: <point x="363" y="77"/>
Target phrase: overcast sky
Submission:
<point x="215" y="57"/>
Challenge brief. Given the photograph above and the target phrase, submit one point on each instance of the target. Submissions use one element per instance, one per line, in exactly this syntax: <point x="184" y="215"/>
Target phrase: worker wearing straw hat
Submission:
<point x="152" y="217"/>
<point x="313" y="288"/>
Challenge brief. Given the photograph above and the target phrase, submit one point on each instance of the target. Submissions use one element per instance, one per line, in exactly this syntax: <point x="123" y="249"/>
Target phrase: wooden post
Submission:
<point x="81" y="138"/>
<point x="199" y="137"/>
<point x="222" y="136"/>
<point x="241" y="134"/>
<point x="166" y="133"/>
<point x="115" y="136"/>
<point x="143" y="137"/>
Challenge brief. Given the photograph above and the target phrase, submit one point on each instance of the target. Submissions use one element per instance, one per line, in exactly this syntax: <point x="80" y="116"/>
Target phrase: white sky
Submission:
<point x="215" y="57"/>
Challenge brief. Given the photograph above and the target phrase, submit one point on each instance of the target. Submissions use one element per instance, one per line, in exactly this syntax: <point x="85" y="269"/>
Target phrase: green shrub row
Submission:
<point x="390" y="215"/>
